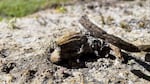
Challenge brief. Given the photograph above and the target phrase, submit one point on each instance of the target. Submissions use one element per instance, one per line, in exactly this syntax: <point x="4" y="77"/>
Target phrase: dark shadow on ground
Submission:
<point x="138" y="73"/>
<point x="142" y="63"/>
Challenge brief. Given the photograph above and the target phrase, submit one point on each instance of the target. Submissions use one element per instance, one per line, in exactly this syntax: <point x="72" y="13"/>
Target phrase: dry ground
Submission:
<point x="23" y="42"/>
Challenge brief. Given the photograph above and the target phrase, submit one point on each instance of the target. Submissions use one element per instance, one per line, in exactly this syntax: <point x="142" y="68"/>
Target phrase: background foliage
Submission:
<point x="19" y="8"/>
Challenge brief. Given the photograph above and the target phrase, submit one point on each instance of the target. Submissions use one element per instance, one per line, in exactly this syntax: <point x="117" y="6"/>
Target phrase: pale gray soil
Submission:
<point x="23" y="42"/>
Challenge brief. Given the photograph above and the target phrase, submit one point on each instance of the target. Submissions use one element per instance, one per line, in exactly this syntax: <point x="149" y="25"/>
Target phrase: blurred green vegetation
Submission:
<point x="19" y="8"/>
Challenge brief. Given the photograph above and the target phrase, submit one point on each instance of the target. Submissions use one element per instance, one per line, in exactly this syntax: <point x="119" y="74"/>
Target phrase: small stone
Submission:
<point x="4" y="53"/>
<point x="147" y="57"/>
